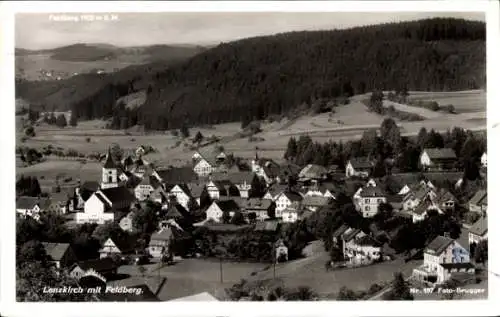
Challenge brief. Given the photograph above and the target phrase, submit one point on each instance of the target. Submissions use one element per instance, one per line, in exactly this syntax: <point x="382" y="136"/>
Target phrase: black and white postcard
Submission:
<point x="217" y="152"/>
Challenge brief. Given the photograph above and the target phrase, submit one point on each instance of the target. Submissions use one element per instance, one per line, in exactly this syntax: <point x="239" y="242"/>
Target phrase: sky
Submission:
<point x="42" y="31"/>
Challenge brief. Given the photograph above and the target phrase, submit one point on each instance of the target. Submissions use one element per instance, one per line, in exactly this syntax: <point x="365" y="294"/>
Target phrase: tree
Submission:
<point x="252" y="217"/>
<point x="389" y="132"/>
<point x="257" y="189"/>
<point x="238" y="219"/>
<point x="184" y="130"/>
<point x="198" y="138"/>
<point x="109" y="230"/>
<point x="379" y="170"/>
<point x="336" y="255"/>
<point x="205" y="199"/>
<point x="226" y="217"/>
<point x="116" y="152"/>
<point x="61" y="121"/>
<point x="369" y="141"/>
<point x="192" y="205"/>
<point x="73" y="120"/>
<point x="422" y="137"/>
<point x="481" y="252"/>
<point x="400" y="289"/>
<point x="145" y="219"/>
<point x="346" y="294"/>
<point x="376" y="101"/>
<point x="30" y="132"/>
<point x="291" y="149"/>
<point x="52" y="118"/>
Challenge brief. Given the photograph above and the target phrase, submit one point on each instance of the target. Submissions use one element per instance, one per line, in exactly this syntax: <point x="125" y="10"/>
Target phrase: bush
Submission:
<point x="450" y="109"/>
<point x="23" y="139"/>
<point x="87" y="139"/>
<point x="174" y="133"/>
<point x="30" y="132"/>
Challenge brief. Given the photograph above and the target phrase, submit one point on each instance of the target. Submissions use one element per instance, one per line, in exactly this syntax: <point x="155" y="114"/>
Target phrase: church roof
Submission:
<point x="110" y="163"/>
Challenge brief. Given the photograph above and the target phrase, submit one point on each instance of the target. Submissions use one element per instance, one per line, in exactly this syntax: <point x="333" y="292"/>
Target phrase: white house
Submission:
<point x="242" y="181"/>
<point x="288" y="199"/>
<point x="441" y="257"/>
<point x="484" y="160"/>
<point x="362" y="248"/>
<point x="370" y="199"/>
<point x="218" y="208"/>
<point x="204" y="168"/>
<point x="404" y="190"/>
<point x="289" y="215"/>
<point x="359" y="167"/>
<point x="144" y="189"/>
<point x="182" y="194"/>
<point x="478" y="231"/>
<point x="265" y="168"/>
<point x="115" y="247"/>
<point x="437" y="158"/>
<point x="96" y="210"/>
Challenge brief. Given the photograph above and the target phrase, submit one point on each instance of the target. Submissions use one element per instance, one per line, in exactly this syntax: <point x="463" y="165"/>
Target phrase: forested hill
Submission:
<point x="256" y="77"/>
<point x="269" y="75"/>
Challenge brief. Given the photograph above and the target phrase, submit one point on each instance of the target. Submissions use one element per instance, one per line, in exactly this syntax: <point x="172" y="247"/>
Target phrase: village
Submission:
<point x="156" y="222"/>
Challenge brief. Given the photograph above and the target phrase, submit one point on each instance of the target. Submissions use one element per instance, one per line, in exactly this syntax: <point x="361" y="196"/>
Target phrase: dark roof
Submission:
<point x="145" y="295"/>
<point x="164" y="234"/>
<point x="288" y="169"/>
<point x="90" y="186"/>
<point x="257" y="204"/>
<point x="361" y="163"/>
<point x="372" y="192"/>
<point x="480" y="227"/>
<point x="99" y="265"/>
<point x="466" y="265"/>
<point x="368" y="240"/>
<point x="196" y="189"/>
<point x="440" y="154"/>
<point x="28" y="202"/>
<point x="175" y="211"/>
<point x="340" y="231"/>
<point x="110" y="163"/>
<point x="228" y="205"/>
<point x="176" y="175"/>
<point x="479" y="198"/>
<point x="276" y="189"/>
<point x="55" y="250"/>
<point x="118" y="194"/>
<point x="438" y="245"/>
<point x="350" y="233"/>
<point x="313" y="171"/>
<point x="293" y="196"/>
<point x="102" y="199"/>
<point x="316" y="201"/>
<point x="240" y="177"/>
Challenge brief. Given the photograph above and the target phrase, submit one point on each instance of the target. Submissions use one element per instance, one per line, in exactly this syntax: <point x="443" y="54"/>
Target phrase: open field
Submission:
<point x="347" y="123"/>
<point x="463" y="101"/>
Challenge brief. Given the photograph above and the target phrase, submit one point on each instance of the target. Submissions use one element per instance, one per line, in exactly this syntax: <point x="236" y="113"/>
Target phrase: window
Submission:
<point x="367" y="208"/>
<point x="379" y="200"/>
<point x="367" y="201"/>
<point x="110" y="179"/>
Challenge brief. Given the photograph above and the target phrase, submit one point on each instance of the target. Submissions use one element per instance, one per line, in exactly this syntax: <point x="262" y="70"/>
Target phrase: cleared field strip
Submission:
<point x="426" y="113"/>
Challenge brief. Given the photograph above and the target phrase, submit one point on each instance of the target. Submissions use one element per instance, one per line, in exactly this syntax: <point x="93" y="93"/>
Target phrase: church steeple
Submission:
<point x="109" y="173"/>
<point x="110" y="163"/>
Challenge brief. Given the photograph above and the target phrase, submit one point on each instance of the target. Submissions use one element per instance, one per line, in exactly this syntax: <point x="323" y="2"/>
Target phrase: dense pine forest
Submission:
<point x="257" y="77"/>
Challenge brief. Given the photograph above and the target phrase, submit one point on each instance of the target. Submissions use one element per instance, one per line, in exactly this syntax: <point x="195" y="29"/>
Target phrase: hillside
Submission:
<point x="262" y="76"/>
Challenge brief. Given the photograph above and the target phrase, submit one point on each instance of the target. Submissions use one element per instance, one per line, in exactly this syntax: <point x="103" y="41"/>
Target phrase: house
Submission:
<point x="437" y="158"/>
<point x="370" y="199"/>
<point x="32" y="206"/>
<point x="289" y="215"/>
<point x="216" y="189"/>
<point x="109" y="172"/>
<point x="416" y="196"/>
<point x="161" y="240"/>
<point x="479" y="202"/>
<point x="313" y="203"/>
<point x="100" y="268"/>
<point x="116" y="247"/>
<point x="274" y="191"/>
<point x="313" y="172"/>
<point x="268" y="169"/>
<point x="217" y="209"/>
<point x="324" y="190"/>
<point x="182" y="195"/>
<point x="100" y="207"/>
<point x="126" y="222"/>
<point x="206" y="162"/>
<point x="158" y="195"/>
<point x="242" y="181"/>
<point x="347" y="239"/>
<point x="478" y="231"/>
<point x="146" y="187"/>
<point x="287" y="170"/>
<point x="358" y="167"/>
<point x="177" y="213"/>
<point x="442" y="257"/>
<point x="484" y="160"/>
<point x="444" y="200"/>
<point x="363" y="248"/>
<point x="61" y="254"/>
<point x="83" y="192"/>
<point x="261" y="207"/>
<point x="419" y="213"/>
<point x="216" y="154"/>
<point x="270" y="226"/>
<point x="140" y="167"/>
<point x="287" y="200"/>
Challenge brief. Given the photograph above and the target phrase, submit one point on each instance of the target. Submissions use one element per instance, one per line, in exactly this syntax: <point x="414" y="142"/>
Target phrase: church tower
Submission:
<point x="109" y="173"/>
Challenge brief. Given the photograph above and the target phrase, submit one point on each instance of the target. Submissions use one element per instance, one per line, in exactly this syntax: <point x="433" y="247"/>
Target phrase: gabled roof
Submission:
<point x="176" y="211"/>
<point x="98" y="265"/>
<point x="28" y="202"/>
<point x="90" y="186"/>
<point x="55" y="250"/>
<point x="368" y="240"/>
<point x="316" y="201"/>
<point x="123" y="244"/>
<point x="257" y="204"/>
<point x="438" y="245"/>
<point x="102" y="199"/>
<point x="480" y="227"/>
<point x="313" y="171"/>
<point x="292" y="196"/>
<point x="276" y="189"/>
<point x="118" y="194"/>
<point x="440" y="154"/>
<point x="240" y="177"/>
<point x="444" y="196"/>
<point x="479" y="198"/>
<point x="360" y="163"/>
<point x="350" y="233"/>
<point x="372" y="192"/>
<point x="340" y="231"/>
<point x="176" y="175"/>
<point x="269" y="225"/>
<point x="288" y="169"/>
<point x="227" y="205"/>
<point x="460" y="265"/>
<point x="196" y="189"/>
